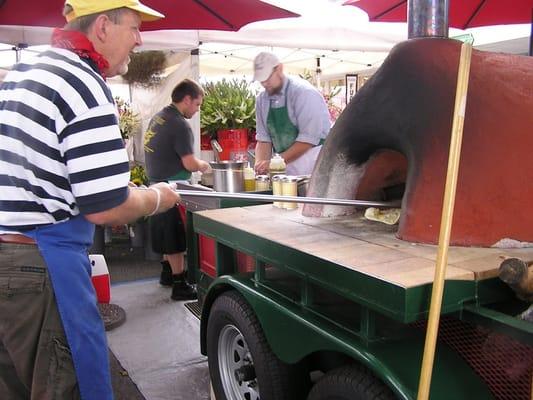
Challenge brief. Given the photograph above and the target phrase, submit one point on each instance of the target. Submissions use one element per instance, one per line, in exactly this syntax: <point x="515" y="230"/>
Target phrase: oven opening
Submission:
<point x="384" y="178"/>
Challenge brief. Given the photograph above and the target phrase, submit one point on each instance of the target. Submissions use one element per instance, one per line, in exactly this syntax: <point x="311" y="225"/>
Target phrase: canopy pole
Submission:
<point x="446" y="221"/>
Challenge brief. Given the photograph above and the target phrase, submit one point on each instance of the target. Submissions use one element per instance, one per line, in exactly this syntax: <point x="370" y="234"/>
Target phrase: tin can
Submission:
<point x="289" y="187"/>
<point x="262" y="183"/>
<point x="276" y="189"/>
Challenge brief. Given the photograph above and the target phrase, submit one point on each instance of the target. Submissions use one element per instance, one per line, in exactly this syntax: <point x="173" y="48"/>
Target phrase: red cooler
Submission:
<point x="100" y="278"/>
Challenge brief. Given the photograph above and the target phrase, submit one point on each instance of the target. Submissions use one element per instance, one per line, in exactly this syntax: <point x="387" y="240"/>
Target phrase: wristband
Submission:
<point x="158" y="201"/>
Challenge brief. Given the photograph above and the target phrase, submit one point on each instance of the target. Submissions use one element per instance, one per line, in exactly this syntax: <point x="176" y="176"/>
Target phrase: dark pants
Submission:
<point x="35" y="359"/>
<point x="168" y="232"/>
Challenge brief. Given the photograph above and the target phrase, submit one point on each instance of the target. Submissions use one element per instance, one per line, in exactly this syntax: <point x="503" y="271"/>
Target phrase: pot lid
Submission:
<point x="227" y="164"/>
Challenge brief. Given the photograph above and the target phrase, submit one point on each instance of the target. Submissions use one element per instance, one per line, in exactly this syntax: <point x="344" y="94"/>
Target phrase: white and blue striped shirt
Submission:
<point x="61" y="152"/>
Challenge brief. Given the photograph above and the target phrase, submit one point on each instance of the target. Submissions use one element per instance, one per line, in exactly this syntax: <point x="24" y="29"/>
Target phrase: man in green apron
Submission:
<point x="170" y="156"/>
<point x="292" y="118"/>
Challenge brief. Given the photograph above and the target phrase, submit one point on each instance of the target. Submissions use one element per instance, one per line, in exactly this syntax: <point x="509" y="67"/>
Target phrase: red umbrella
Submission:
<point x="462" y="13"/>
<point x="227" y="15"/>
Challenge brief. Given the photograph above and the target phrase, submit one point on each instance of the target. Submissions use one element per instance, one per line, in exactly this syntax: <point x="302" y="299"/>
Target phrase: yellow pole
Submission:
<point x="446" y="222"/>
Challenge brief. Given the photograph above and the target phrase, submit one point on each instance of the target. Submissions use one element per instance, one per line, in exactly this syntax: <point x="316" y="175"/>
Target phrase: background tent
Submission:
<point x="329" y="41"/>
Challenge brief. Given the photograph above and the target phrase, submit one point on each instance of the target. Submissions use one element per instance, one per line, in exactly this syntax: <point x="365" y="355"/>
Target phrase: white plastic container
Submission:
<point x="277" y="166"/>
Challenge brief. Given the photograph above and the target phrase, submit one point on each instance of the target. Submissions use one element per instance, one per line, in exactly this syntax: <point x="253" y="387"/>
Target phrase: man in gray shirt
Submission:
<point x="292" y="118"/>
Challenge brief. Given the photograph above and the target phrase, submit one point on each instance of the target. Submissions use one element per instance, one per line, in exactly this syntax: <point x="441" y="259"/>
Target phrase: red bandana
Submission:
<point x="78" y="43"/>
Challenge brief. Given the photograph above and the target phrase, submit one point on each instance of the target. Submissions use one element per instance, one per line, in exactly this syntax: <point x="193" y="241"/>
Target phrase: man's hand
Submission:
<point x="263" y="152"/>
<point x="295" y="151"/>
<point x="205" y="167"/>
<point x="139" y="203"/>
<point x="261" y="167"/>
<point x="168" y="196"/>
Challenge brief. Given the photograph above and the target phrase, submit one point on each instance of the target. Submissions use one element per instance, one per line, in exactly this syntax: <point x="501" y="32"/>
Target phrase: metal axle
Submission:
<point x="267" y="198"/>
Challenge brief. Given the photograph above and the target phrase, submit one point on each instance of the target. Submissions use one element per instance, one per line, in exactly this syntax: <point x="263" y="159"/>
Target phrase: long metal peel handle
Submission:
<point x="289" y="199"/>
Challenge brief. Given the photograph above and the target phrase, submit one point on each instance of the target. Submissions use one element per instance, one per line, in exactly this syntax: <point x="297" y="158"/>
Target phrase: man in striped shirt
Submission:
<point x="63" y="168"/>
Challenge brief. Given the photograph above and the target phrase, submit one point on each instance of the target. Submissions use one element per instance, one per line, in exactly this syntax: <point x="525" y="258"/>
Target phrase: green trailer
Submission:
<point x="336" y="308"/>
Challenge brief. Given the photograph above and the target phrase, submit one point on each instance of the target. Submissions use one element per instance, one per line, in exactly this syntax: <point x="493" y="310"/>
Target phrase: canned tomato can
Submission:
<point x="262" y="183"/>
<point x="289" y="187"/>
<point x="276" y="189"/>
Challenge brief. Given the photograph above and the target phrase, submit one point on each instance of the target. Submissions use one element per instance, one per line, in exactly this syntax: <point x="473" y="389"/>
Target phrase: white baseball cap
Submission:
<point x="264" y="64"/>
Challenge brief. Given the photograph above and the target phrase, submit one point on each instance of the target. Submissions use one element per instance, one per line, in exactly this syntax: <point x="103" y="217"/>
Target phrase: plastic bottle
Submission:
<point x="277" y="166"/>
<point x="249" y="179"/>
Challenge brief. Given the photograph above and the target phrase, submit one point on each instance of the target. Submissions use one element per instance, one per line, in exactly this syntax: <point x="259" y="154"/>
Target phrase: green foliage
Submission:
<point x="227" y="104"/>
<point x="145" y="68"/>
<point x="138" y="175"/>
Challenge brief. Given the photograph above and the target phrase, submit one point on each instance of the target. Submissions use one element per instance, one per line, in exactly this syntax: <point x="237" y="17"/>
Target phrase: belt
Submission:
<point x="16" y="239"/>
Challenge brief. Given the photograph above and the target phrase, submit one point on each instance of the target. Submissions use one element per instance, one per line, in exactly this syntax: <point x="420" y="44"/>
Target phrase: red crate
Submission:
<point x="207" y="255"/>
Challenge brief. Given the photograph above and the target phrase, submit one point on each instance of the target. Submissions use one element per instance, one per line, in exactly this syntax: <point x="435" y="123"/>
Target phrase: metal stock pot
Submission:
<point x="228" y="176"/>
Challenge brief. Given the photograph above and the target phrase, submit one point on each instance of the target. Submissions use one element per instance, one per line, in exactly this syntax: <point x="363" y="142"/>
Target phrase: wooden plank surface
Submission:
<point x="365" y="246"/>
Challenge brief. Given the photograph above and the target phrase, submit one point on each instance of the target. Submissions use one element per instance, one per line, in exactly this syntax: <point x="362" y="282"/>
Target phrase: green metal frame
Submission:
<point x="295" y="329"/>
<point x="499" y="322"/>
<point x="401" y="304"/>
<point x="294" y="333"/>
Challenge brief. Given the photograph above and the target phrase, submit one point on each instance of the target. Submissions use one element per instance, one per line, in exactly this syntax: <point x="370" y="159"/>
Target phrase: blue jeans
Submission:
<point x="35" y="359"/>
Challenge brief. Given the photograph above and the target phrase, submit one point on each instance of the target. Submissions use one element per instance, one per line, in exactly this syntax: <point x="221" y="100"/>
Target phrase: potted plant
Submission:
<point x="228" y="114"/>
<point x="146" y="68"/>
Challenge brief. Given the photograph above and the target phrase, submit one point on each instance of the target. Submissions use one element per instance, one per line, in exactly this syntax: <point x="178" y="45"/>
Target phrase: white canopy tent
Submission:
<point x="331" y="40"/>
<point x="297" y="41"/>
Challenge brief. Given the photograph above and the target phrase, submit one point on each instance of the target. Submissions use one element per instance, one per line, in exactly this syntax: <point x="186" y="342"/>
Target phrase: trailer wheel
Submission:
<point x="353" y="382"/>
<point x="241" y="364"/>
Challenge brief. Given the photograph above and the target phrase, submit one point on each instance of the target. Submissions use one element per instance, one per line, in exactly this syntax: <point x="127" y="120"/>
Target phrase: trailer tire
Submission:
<point x="352" y="382"/>
<point x="236" y="343"/>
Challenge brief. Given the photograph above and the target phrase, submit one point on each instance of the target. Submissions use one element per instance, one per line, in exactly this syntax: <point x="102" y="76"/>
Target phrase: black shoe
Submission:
<point x="181" y="290"/>
<point x="166" y="274"/>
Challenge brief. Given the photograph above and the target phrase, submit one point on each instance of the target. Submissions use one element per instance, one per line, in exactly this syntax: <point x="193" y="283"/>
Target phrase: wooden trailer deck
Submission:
<point x="365" y="246"/>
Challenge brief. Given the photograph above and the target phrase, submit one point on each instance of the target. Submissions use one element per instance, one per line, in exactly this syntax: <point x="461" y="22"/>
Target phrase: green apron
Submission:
<point x="282" y="131"/>
<point x="181" y="176"/>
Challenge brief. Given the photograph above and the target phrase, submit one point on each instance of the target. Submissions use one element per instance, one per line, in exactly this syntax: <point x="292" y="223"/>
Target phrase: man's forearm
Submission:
<point x="263" y="151"/>
<point x="193" y="164"/>
<point x="296" y="150"/>
<point x="139" y="203"/>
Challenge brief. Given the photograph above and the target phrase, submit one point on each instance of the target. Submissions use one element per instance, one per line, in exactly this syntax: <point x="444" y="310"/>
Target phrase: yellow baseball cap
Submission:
<point x="87" y="7"/>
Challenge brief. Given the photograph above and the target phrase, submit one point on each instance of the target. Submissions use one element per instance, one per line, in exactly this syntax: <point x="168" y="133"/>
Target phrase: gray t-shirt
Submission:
<point x="169" y="138"/>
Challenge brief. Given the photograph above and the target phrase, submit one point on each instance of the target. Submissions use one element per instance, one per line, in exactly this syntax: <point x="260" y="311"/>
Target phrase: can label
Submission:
<point x="276" y="189"/>
<point x="289" y="187"/>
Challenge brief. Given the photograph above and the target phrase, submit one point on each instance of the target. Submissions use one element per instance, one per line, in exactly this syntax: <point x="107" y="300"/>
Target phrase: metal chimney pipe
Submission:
<point x="427" y="18"/>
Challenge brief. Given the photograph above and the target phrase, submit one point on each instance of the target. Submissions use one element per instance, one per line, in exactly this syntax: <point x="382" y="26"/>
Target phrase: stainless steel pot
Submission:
<point x="228" y="176"/>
